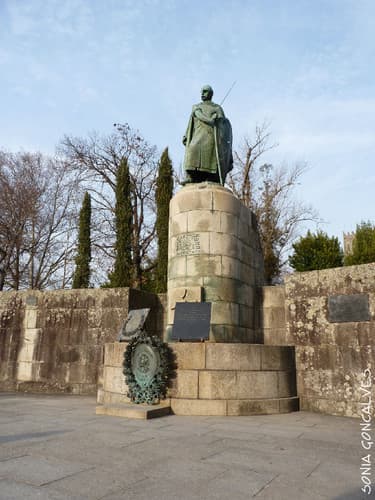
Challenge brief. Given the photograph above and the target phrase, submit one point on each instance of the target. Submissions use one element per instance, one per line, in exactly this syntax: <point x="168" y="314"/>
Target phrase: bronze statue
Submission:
<point x="208" y="141"/>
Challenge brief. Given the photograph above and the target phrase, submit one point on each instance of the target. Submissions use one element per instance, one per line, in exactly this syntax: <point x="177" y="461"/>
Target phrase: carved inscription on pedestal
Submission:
<point x="188" y="244"/>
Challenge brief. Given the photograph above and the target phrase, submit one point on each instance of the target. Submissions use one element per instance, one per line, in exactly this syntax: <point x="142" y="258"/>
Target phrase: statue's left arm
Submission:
<point x="203" y="118"/>
<point x="220" y="112"/>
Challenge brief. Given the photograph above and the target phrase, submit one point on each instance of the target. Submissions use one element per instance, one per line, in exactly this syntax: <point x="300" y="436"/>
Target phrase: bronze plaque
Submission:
<point x="31" y="300"/>
<point x="133" y="324"/>
<point x="191" y="321"/>
<point x="348" y="308"/>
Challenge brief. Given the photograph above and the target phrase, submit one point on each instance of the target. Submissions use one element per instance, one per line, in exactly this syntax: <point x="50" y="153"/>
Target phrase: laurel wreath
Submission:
<point x="157" y="388"/>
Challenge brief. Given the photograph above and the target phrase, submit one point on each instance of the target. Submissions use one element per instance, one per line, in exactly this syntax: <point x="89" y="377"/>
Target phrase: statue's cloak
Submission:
<point x="208" y="145"/>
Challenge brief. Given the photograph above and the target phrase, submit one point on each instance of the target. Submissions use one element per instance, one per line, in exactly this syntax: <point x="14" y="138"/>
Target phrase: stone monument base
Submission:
<point x="216" y="379"/>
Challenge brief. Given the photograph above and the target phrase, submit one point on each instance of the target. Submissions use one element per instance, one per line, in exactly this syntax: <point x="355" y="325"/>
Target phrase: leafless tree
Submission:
<point x="270" y="193"/>
<point x="37" y="221"/>
<point x="96" y="159"/>
<point x="14" y="209"/>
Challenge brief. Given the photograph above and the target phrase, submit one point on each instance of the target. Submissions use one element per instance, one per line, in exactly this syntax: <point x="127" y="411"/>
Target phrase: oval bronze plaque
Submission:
<point x="145" y="364"/>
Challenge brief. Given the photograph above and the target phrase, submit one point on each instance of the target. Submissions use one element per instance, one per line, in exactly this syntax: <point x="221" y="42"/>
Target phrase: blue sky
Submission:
<point x="307" y="67"/>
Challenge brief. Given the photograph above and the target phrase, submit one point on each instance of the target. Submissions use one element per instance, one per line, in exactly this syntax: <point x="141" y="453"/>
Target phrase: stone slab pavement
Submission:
<point x="55" y="447"/>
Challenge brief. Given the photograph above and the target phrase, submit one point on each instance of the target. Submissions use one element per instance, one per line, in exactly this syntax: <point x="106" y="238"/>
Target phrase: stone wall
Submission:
<point x="330" y="356"/>
<point x="273" y="319"/>
<point x="12" y="318"/>
<point x="53" y="341"/>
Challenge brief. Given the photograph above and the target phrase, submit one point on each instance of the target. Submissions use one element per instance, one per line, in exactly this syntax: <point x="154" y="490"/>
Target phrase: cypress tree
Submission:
<point x="81" y="278"/>
<point x="164" y="192"/>
<point x="122" y="272"/>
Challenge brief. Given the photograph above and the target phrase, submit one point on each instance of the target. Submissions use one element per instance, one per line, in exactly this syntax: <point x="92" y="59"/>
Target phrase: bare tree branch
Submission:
<point x="96" y="160"/>
<point x="37" y="218"/>
<point x="270" y="193"/>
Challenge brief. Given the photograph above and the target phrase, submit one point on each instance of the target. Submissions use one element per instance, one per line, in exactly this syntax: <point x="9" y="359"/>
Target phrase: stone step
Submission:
<point x="234" y="407"/>
<point x="136" y="411"/>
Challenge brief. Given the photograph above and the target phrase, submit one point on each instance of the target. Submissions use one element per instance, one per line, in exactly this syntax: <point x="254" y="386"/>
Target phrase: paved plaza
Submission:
<point x="55" y="447"/>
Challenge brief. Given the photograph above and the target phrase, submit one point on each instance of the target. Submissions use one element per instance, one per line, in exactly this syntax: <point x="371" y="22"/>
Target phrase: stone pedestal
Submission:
<point x="215" y="256"/>
<point x="211" y="379"/>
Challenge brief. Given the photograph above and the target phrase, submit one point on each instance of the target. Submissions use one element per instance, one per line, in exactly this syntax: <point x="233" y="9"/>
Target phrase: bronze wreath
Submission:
<point x="149" y="391"/>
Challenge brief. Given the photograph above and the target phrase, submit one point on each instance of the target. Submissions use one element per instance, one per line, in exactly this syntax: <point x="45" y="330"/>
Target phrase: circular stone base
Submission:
<point x="233" y="379"/>
<point x="234" y="407"/>
<point x="216" y="378"/>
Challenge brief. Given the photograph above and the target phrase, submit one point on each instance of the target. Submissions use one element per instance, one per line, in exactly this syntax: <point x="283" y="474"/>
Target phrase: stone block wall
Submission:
<point x="331" y="357"/>
<point x="53" y="341"/>
<point x="12" y="318"/>
<point x="273" y="319"/>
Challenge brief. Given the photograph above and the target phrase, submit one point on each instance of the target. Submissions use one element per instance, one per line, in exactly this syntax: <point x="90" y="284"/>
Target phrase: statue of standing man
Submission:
<point x="208" y="142"/>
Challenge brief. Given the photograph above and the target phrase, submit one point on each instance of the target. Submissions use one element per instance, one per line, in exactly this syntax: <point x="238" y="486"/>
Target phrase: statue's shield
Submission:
<point x="224" y="145"/>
